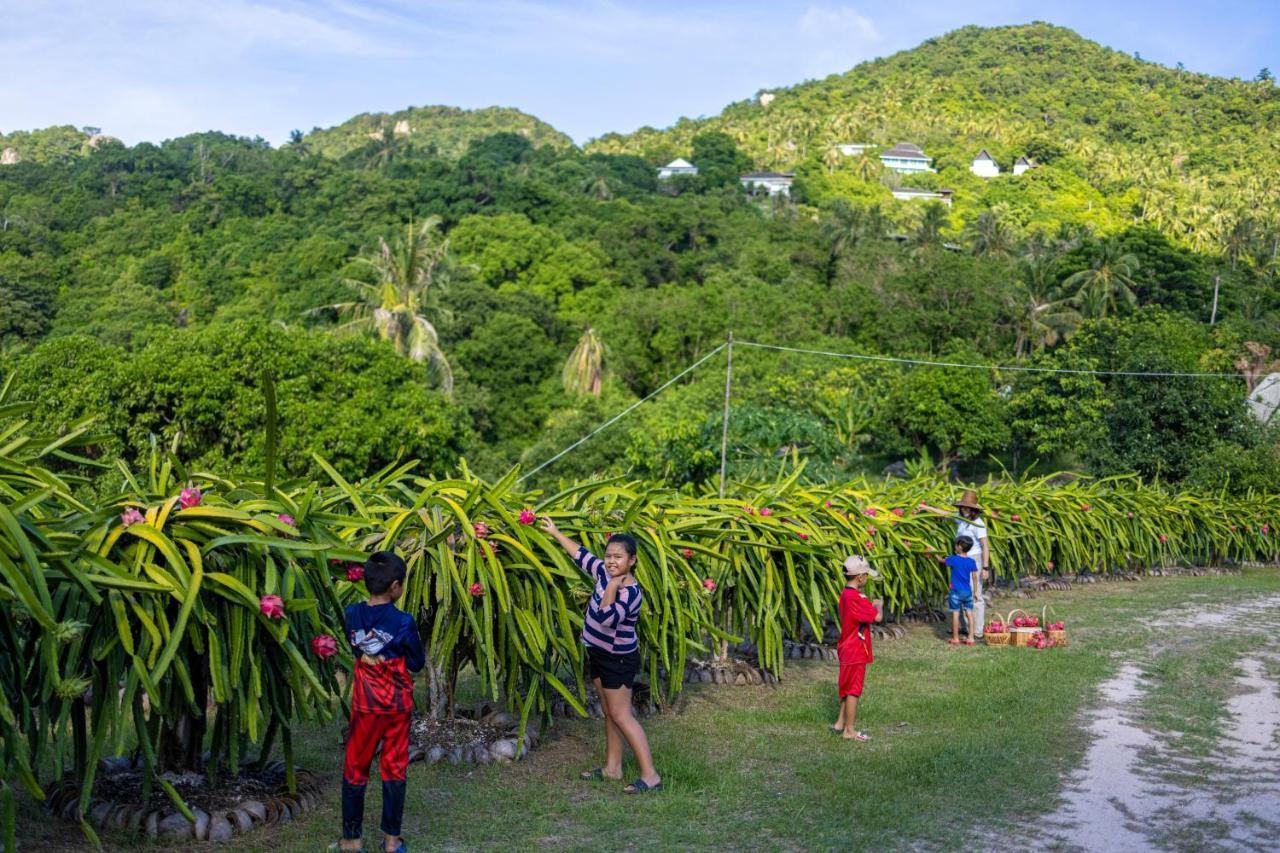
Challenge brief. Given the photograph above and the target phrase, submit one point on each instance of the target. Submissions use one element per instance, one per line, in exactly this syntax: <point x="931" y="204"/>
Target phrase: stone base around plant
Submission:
<point x="484" y="735"/>
<point x="223" y="810"/>
<point x="731" y="671"/>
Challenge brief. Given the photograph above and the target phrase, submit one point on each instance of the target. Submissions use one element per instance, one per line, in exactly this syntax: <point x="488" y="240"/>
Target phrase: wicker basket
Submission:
<point x="998" y="639"/>
<point x="1059" y="638"/>
<point x="1020" y="636"/>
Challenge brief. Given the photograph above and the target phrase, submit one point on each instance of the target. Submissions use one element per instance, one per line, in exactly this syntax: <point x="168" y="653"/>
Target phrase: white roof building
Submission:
<point x="678" y="166"/>
<point x="775" y="183"/>
<point x="907" y="158"/>
<point x="854" y="149"/>
<point x="913" y="194"/>
<point x="1022" y="164"/>
<point x="984" y="165"/>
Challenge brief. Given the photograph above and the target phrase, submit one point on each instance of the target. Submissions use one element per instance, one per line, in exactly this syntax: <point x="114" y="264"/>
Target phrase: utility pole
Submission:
<point x="724" y="428"/>
<point x="1213" y="315"/>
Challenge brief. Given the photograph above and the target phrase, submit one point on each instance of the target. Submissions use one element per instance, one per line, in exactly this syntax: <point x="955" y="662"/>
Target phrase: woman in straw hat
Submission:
<point x="970" y="524"/>
<point x="857" y="612"/>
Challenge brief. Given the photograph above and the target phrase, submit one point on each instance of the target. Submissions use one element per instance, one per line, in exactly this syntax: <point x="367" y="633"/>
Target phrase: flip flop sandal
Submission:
<point x="835" y="731"/>
<point x="639" y="787"/>
<point x="861" y="737"/>
<point x="336" y="847"/>
<point x="596" y="775"/>
<point x="968" y="642"/>
<point x="953" y="642"/>
<point x="399" y="848"/>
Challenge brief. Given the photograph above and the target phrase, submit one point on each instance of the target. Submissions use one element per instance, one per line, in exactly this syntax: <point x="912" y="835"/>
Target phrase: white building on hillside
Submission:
<point x="854" y="149"/>
<point x="678" y="166"/>
<point x="906" y="158"/>
<point x="984" y="165"/>
<point x="1021" y="165"/>
<point x="775" y="183"/>
<point x="913" y="194"/>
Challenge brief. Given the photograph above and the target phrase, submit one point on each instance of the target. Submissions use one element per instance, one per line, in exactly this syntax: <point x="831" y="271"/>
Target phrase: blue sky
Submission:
<point x="154" y="69"/>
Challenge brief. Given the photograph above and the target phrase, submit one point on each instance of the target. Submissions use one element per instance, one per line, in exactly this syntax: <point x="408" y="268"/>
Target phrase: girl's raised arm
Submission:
<point x="565" y="542"/>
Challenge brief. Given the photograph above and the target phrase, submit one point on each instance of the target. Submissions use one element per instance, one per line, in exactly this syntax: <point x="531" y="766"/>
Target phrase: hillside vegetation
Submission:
<point x="1120" y="141"/>
<point x="494" y="299"/>
<point x="446" y="131"/>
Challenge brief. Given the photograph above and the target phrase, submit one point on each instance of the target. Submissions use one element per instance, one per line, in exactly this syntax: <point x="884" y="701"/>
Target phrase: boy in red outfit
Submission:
<point x="857" y="612"/>
<point x="387" y="648"/>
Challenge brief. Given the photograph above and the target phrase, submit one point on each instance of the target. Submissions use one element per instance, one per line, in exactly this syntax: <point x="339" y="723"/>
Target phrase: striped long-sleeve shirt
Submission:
<point x="613" y="628"/>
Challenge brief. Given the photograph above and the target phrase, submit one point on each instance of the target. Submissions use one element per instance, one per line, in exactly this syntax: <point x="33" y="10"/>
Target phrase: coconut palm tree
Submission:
<point x="1107" y="282"/>
<point x="584" y="370"/>
<point x="385" y="148"/>
<point x="596" y="184"/>
<point x="1043" y="318"/>
<point x="929" y="232"/>
<point x="867" y="167"/>
<point x="990" y="234"/>
<point x="409" y="274"/>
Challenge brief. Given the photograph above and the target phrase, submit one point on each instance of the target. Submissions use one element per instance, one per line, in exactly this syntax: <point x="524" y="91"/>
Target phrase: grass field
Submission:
<point x="967" y="743"/>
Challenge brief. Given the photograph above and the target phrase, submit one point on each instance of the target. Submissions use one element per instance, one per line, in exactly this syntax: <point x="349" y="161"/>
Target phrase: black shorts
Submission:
<point x="614" y="671"/>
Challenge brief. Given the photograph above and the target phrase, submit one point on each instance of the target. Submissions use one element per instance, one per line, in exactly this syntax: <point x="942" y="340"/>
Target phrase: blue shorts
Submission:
<point x="957" y="600"/>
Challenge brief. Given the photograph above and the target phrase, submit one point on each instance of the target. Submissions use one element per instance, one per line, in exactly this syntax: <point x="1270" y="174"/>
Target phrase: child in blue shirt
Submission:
<point x="387" y="650"/>
<point x="964" y="577"/>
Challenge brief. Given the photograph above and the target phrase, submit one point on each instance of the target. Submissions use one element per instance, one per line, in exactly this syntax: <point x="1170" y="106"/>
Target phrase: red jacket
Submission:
<point x="856" y="615"/>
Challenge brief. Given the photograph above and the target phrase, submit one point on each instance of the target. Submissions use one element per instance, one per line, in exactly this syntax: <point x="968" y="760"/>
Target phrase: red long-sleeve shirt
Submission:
<point x="856" y="615"/>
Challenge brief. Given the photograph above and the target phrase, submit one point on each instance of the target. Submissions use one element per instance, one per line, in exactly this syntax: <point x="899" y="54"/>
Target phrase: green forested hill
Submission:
<point x="460" y="289"/>
<point x="1120" y="140"/>
<point x="447" y="130"/>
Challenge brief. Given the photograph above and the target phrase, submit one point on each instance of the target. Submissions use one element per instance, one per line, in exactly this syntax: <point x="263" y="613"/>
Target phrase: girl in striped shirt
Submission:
<point x="613" y="654"/>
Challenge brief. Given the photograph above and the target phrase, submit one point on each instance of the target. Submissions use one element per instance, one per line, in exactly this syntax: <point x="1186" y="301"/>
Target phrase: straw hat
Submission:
<point x="856" y="565"/>
<point x="969" y="499"/>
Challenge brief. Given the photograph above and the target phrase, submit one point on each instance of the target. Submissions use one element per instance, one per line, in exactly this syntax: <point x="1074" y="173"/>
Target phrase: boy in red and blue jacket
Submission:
<point x="387" y="648"/>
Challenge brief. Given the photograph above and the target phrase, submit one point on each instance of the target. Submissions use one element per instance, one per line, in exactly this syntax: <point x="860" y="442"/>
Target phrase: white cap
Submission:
<point x="856" y="565"/>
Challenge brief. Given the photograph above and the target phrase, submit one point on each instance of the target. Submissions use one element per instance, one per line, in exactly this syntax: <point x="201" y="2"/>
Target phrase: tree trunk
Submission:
<point x="182" y="743"/>
<point x="437" y="691"/>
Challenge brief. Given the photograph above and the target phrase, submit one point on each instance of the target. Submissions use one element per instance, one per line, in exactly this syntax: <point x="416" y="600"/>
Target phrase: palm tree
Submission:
<point x="867" y="167"/>
<point x="990" y="234"/>
<point x="298" y="143"/>
<point x="849" y="225"/>
<point x="929" y="232"/>
<point x="1043" y="319"/>
<point x="1108" y="281"/>
<point x="409" y="274"/>
<point x="385" y="148"/>
<point x="584" y="370"/>
<point x="1239" y="240"/>
<point x="596" y="184"/>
